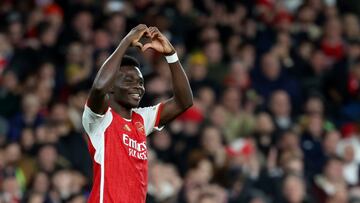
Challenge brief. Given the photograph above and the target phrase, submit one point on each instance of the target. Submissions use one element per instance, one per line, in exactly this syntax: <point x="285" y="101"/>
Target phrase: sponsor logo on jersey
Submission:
<point x="136" y="149"/>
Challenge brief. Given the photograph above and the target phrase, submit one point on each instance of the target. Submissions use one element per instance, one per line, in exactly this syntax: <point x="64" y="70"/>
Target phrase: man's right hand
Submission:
<point x="135" y="35"/>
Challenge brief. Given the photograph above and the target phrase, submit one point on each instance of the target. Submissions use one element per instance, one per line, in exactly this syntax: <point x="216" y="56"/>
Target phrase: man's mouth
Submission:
<point x="135" y="96"/>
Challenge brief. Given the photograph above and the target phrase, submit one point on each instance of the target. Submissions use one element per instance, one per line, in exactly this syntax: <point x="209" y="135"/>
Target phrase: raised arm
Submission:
<point x="183" y="98"/>
<point x="107" y="73"/>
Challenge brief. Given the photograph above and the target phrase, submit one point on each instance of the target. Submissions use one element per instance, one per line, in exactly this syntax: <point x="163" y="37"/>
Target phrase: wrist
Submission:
<point x="126" y="40"/>
<point x="172" y="58"/>
<point x="173" y="51"/>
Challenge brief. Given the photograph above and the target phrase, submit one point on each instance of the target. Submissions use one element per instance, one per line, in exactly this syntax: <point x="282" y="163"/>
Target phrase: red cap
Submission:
<point x="192" y="114"/>
<point x="281" y="16"/>
<point x="348" y="129"/>
<point x="267" y="3"/>
<point x="53" y="9"/>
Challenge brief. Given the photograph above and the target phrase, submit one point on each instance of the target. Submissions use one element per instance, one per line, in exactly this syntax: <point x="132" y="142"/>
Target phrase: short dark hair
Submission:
<point x="333" y="158"/>
<point x="129" y="61"/>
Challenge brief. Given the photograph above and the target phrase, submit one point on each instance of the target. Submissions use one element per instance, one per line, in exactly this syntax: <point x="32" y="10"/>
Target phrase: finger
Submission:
<point x="138" y="44"/>
<point x="147" y="33"/>
<point x="152" y="29"/>
<point x="152" y="32"/>
<point x="156" y="29"/>
<point x="138" y="32"/>
<point x="146" y="46"/>
<point x="154" y="35"/>
<point x="157" y="33"/>
<point x="141" y="26"/>
<point x="142" y="32"/>
<point x="141" y="29"/>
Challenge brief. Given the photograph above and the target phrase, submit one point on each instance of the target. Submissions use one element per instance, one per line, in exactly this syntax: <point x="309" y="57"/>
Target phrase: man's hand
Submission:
<point x="158" y="42"/>
<point x="135" y="35"/>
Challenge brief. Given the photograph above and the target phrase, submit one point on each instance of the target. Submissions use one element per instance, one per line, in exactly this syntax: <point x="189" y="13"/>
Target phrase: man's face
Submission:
<point x="129" y="87"/>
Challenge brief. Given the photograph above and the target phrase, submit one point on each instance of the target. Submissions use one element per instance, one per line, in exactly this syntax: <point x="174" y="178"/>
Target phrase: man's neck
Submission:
<point x="122" y="111"/>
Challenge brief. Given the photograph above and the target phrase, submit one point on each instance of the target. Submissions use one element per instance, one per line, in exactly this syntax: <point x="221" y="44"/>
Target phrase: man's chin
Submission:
<point x="133" y="104"/>
<point x="129" y="105"/>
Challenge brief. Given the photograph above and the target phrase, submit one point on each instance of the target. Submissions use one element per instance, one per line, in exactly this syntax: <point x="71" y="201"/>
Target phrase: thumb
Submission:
<point x="138" y="44"/>
<point x="146" y="46"/>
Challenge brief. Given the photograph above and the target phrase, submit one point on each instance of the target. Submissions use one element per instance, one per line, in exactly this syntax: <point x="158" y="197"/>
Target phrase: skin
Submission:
<point x="123" y="87"/>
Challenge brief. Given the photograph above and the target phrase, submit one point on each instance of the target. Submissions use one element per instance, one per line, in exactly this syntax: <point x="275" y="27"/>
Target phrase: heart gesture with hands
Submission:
<point x="158" y="41"/>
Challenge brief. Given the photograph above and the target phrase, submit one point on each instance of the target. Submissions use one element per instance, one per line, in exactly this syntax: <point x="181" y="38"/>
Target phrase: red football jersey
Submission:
<point x="118" y="148"/>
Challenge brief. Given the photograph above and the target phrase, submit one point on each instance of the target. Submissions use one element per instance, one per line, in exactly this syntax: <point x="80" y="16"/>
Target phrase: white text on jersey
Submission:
<point x="137" y="150"/>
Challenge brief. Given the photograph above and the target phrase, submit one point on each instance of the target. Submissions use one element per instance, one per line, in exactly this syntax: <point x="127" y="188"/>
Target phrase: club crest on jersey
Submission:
<point x="136" y="149"/>
<point x="140" y="127"/>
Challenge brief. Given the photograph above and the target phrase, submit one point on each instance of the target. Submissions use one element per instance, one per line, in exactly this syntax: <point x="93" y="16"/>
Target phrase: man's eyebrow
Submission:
<point x="134" y="78"/>
<point x="129" y="76"/>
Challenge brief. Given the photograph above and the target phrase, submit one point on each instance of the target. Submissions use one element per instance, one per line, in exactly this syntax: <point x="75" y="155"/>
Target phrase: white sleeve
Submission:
<point x="95" y="126"/>
<point x="151" y="117"/>
<point x="92" y="121"/>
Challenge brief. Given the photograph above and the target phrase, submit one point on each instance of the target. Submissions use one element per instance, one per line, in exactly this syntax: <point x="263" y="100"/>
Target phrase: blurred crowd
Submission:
<point x="276" y="87"/>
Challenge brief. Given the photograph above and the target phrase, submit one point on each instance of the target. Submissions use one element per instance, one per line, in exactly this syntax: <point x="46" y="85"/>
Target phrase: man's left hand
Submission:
<point x="158" y="42"/>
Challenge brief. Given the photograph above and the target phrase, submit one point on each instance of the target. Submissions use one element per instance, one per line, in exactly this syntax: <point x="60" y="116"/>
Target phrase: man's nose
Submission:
<point x="139" y="86"/>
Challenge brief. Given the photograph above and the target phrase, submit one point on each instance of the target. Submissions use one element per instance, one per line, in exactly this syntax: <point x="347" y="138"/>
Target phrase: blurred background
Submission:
<point x="276" y="88"/>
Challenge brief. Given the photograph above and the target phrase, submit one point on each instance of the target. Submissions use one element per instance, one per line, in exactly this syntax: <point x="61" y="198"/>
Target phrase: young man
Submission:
<point x="117" y="128"/>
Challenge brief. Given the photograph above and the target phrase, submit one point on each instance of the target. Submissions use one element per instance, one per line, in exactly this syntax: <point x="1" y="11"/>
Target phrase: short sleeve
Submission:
<point x="151" y="117"/>
<point x="95" y="126"/>
<point x="92" y="121"/>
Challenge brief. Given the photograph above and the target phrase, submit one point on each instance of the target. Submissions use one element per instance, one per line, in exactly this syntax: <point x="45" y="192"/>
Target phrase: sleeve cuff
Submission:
<point x="158" y="115"/>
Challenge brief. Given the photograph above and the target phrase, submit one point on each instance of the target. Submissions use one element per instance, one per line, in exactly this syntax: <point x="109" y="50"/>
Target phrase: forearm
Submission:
<point x="107" y="72"/>
<point x="183" y="98"/>
<point x="104" y="79"/>
<point x="181" y="88"/>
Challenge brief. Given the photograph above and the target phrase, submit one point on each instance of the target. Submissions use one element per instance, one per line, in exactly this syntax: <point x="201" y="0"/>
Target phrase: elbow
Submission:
<point x="190" y="104"/>
<point x="183" y="103"/>
<point x="102" y="82"/>
<point x="99" y="87"/>
<point x="186" y="105"/>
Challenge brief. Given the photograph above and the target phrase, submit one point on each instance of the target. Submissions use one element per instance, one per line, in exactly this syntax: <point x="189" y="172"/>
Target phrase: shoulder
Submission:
<point x="93" y="122"/>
